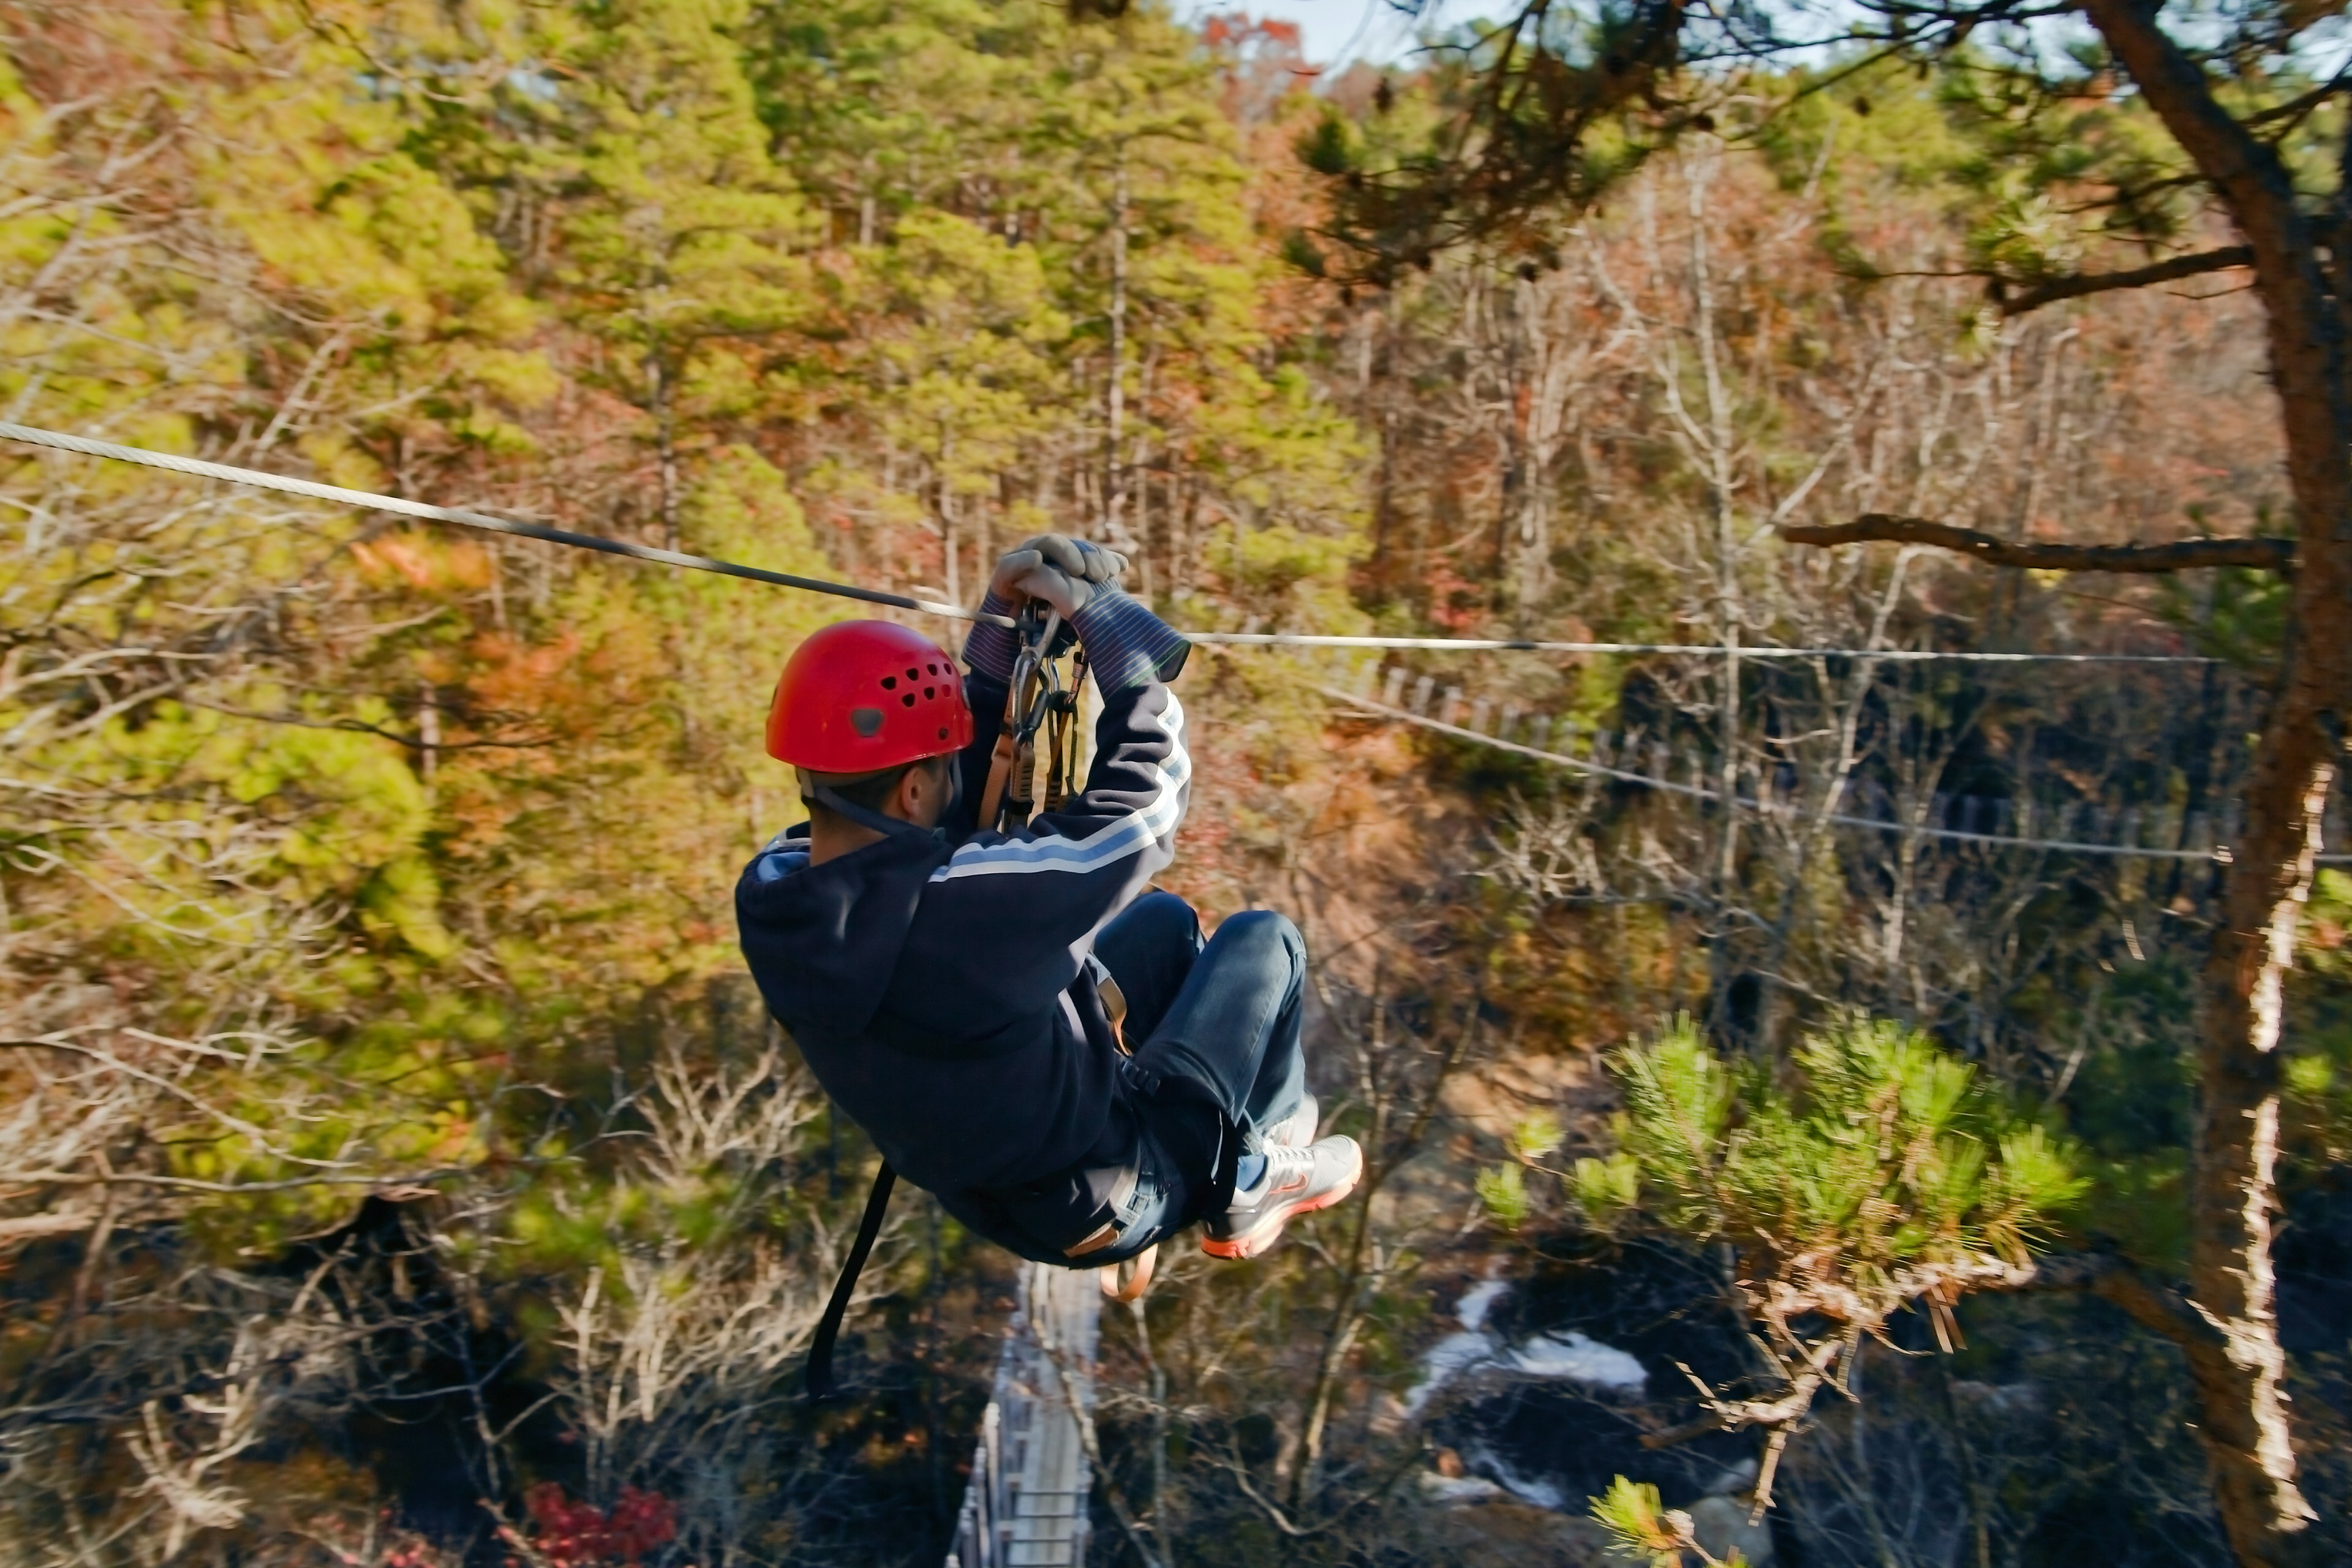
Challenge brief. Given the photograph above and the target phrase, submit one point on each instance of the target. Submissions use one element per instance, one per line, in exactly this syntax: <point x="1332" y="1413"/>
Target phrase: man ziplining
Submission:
<point x="946" y="983"/>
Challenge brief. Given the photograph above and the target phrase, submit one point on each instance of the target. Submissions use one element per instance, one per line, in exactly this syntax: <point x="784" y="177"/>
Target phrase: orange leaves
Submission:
<point x="508" y="674"/>
<point x="429" y="562"/>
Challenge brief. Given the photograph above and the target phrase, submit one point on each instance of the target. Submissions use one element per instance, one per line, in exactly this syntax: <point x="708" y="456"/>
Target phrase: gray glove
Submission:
<point x="1064" y="572"/>
<point x="1027" y="574"/>
<point x="1078" y="559"/>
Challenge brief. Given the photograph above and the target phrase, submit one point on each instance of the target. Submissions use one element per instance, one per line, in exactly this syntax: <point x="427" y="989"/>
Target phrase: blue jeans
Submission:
<point x="1224" y="1013"/>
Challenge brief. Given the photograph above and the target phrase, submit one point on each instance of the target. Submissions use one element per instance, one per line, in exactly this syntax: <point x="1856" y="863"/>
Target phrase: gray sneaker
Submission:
<point x="1296" y="1181"/>
<point x="1296" y="1129"/>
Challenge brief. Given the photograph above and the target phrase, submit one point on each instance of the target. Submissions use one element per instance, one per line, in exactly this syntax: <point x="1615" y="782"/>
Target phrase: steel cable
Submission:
<point x="1701" y="794"/>
<point x="368" y="501"/>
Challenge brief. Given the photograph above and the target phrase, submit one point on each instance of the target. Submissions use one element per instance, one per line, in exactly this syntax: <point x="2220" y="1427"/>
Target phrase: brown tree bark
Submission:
<point x="2086" y="283"/>
<point x="2229" y="1330"/>
<point x="2227" y="1327"/>
<point x="2215" y="1353"/>
<point x="2236" y="1361"/>
<point x="2181" y="555"/>
<point x="2232" y="1197"/>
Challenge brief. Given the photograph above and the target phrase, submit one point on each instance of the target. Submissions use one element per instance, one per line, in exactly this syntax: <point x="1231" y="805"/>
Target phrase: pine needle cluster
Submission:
<point x="1640" y="1528"/>
<point x="1888" y="1176"/>
<point x="1892" y="1157"/>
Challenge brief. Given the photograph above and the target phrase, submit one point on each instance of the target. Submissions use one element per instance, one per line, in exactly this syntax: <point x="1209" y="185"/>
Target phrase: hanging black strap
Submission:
<point x="828" y="1328"/>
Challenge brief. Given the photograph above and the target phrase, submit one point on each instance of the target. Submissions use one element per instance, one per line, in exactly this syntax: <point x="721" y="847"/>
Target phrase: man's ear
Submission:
<point x="915" y="788"/>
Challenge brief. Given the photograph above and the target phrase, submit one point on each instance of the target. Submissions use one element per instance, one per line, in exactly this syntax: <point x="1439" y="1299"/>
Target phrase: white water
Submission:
<point x="1478" y="1301"/>
<point x="1585" y="1360"/>
<point x="1527" y="1489"/>
<point x="1574" y="1356"/>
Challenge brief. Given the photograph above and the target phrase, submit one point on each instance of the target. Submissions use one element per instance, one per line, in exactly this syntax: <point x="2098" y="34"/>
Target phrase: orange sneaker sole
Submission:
<point x="1252" y="1242"/>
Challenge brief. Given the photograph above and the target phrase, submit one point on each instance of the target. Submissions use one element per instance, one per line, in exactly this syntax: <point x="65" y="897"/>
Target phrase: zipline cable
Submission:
<point x="368" y="501"/>
<point x="1714" y="650"/>
<point x="1374" y="709"/>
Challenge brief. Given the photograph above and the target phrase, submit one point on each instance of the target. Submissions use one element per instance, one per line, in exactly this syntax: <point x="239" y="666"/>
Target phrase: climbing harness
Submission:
<point x="1006" y="803"/>
<point x="1062" y="761"/>
<point x="1128" y="1282"/>
<point x="1038" y="698"/>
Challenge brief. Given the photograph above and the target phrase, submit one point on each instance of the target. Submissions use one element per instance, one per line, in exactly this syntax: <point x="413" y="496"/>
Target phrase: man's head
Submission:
<point x="873" y="713"/>
<point x="919" y="793"/>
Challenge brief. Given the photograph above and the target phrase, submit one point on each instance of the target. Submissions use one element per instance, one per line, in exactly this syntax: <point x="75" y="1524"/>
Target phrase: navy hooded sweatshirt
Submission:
<point x="942" y="986"/>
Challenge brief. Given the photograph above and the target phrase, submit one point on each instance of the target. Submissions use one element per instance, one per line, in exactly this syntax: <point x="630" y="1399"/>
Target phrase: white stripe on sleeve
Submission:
<point x="1114" y="840"/>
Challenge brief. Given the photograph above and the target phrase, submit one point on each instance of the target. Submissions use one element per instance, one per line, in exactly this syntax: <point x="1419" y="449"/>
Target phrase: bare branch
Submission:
<point x="2159" y="1309"/>
<point x="1713" y="1421"/>
<point x="2180" y="555"/>
<point x="2083" y="283"/>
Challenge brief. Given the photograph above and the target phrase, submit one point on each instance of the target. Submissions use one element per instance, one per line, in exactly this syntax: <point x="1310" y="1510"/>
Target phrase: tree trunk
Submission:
<point x="1385" y="501"/>
<point x="1115" y="385"/>
<point x="2240" y="1370"/>
<point x="665" y="443"/>
<point x="1721" y="479"/>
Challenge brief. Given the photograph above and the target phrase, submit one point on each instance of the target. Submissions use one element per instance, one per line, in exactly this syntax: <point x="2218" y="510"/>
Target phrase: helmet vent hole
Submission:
<point x="914" y="675"/>
<point x="929" y="692"/>
<point x="908" y="699"/>
<point x="943" y="731"/>
<point x="890" y="683"/>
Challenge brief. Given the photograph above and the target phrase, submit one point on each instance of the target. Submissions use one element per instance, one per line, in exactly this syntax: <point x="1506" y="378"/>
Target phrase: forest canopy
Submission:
<point x="397" y="1169"/>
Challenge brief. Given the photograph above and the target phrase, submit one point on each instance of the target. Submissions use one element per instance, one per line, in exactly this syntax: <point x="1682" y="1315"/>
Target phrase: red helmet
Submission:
<point x="862" y="696"/>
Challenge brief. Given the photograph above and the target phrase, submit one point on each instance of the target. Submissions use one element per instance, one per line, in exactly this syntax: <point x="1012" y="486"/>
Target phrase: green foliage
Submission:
<point x="2318" y="1071"/>
<point x="2327" y="917"/>
<point x="1286" y="578"/>
<point x="1640" y="1528"/>
<point x="1503" y="1193"/>
<point x="678" y="229"/>
<point x="1534" y="1138"/>
<point x="2231" y="613"/>
<point x="406" y="843"/>
<point x="1606" y="1189"/>
<point x="1892" y="1156"/>
<point x="1633" y="1517"/>
<point x="1331" y="145"/>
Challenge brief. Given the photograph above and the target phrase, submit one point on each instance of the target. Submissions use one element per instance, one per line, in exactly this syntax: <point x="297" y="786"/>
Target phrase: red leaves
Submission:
<point x="570" y="1534"/>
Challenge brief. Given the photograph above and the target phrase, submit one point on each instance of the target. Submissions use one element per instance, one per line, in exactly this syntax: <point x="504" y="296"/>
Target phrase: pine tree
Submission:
<point x="1895" y="1179"/>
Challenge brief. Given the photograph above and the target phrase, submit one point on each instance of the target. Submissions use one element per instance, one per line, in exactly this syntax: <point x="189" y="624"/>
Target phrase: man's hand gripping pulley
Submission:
<point x="1051" y="578"/>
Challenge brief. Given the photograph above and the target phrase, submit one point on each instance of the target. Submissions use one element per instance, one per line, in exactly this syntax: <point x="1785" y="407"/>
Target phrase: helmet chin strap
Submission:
<point x="864" y="816"/>
<point x="834" y="801"/>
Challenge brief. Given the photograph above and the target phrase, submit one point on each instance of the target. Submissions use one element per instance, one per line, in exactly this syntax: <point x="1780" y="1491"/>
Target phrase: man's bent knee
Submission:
<point x="1160" y="915"/>
<point x="1267" y="932"/>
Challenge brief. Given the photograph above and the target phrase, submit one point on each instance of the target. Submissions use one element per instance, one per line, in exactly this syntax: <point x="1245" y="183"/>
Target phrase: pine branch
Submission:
<point x="2181" y="555"/>
<point x="2156" y="1308"/>
<point x="2083" y="283"/>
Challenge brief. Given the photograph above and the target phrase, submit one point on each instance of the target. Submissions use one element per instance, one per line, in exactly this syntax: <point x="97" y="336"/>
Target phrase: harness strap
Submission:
<point x="1058" y="731"/>
<point x="1006" y="804"/>
<point x="828" y="1328"/>
<point x="1062" y="766"/>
